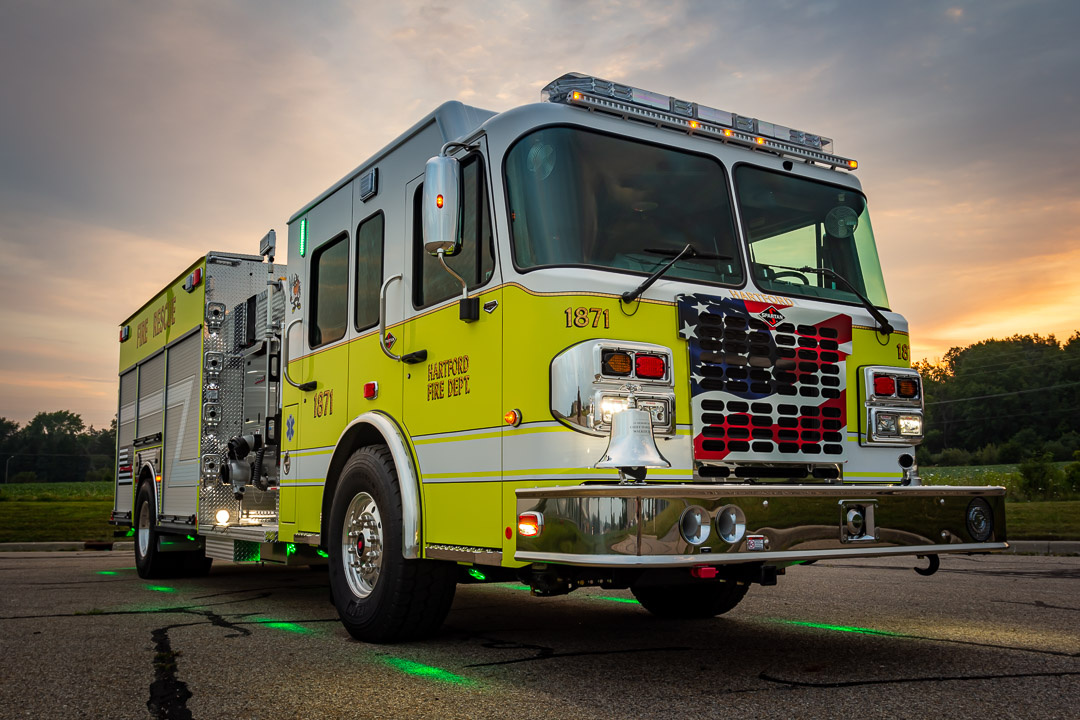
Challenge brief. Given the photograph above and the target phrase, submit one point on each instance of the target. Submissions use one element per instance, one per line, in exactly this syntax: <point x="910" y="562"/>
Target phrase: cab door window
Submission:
<point x="369" y="271"/>
<point x="330" y="292"/>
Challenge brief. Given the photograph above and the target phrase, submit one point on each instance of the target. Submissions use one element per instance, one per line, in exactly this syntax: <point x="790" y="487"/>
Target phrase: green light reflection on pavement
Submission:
<point x="107" y="572"/>
<point x="284" y="625"/>
<point x="429" y="672"/>
<point x="840" y="628"/>
<point x="160" y="588"/>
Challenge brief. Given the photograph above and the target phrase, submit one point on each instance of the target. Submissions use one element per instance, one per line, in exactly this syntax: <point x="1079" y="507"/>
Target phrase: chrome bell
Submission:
<point x="631" y="447"/>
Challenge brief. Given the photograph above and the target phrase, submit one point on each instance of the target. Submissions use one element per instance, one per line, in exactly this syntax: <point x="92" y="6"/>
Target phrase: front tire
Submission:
<point x="379" y="595"/>
<point x="690" y="601"/>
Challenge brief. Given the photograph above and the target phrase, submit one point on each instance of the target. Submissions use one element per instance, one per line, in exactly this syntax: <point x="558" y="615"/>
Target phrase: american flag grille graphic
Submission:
<point x="767" y="380"/>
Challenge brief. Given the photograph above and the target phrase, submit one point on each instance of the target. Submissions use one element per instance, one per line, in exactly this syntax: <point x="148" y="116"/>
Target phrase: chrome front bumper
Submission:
<point x="639" y="525"/>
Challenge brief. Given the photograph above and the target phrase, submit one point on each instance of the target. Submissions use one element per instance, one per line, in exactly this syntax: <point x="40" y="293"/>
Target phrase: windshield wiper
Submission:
<point x="886" y="327"/>
<point x="687" y="253"/>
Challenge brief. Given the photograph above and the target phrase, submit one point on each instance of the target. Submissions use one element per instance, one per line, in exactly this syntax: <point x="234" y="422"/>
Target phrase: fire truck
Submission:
<point x="614" y="338"/>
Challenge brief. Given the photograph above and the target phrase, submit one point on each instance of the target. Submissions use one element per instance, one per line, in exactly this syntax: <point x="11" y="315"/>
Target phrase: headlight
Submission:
<point x="911" y="425"/>
<point x="885" y="425"/>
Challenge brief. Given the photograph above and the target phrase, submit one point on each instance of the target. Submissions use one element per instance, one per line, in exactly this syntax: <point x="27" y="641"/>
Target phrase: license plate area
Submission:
<point x="857" y="521"/>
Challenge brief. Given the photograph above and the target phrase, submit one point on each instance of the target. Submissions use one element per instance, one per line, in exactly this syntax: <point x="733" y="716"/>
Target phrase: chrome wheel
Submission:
<point x="143" y="530"/>
<point x="362" y="544"/>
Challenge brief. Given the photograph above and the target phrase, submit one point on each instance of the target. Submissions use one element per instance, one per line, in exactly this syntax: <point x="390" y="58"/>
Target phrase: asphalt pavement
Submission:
<point x="82" y="636"/>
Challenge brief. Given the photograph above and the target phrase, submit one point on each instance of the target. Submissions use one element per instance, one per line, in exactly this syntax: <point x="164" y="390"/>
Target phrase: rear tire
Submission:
<point x="690" y="601"/>
<point x="150" y="561"/>
<point x="380" y="596"/>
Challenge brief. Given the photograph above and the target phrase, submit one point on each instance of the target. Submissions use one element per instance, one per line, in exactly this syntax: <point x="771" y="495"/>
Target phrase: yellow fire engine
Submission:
<point x="614" y="338"/>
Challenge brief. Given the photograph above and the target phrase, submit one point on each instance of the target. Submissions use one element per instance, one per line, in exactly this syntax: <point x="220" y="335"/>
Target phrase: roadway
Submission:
<point x="82" y="636"/>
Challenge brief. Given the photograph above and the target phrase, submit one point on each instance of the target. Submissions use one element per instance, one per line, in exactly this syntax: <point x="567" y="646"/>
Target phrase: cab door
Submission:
<point x="453" y="399"/>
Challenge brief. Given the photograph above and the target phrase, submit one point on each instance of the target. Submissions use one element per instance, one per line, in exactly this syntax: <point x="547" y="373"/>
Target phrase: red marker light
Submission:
<point x="703" y="572"/>
<point x="884" y="385"/>
<point x="371" y="390"/>
<point x="439" y="201"/>
<point x="650" y="366"/>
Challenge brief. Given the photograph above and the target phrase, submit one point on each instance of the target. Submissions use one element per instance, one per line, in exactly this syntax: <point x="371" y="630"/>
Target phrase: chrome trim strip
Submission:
<point x="478" y="556"/>
<point x="700" y="490"/>
<point x="764" y="556"/>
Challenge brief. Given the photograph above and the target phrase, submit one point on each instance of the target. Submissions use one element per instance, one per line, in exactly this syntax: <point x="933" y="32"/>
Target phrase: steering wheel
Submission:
<point x="790" y="274"/>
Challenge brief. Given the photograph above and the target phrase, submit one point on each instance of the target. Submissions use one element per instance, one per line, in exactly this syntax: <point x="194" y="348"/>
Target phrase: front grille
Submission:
<point x="768" y="380"/>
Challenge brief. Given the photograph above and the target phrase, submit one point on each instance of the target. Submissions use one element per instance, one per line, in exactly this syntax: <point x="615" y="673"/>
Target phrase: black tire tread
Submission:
<point x="690" y="601"/>
<point x="421" y="597"/>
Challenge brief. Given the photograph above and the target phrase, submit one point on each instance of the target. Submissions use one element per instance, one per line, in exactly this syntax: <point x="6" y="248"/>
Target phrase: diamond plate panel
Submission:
<point x="230" y="282"/>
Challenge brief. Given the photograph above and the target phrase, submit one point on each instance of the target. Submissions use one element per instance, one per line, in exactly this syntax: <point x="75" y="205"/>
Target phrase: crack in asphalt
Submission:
<point x="932" y="678"/>
<point x="168" y="694"/>
<point x="1038" y="604"/>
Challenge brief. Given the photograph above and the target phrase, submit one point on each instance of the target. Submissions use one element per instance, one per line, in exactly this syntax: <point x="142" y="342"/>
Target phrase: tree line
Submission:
<point x="1003" y="401"/>
<point x="56" y="447"/>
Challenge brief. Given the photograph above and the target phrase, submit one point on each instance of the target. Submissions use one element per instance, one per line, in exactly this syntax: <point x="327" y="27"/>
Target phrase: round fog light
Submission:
<point x="222" y="517"/>
<point x="980" y="520"/>
<point x="694" y="525"/>
<point x="731" y="524"/>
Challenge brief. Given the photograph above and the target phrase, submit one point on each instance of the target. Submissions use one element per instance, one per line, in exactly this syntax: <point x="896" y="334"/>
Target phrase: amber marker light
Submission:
<point x="530" y="524"/>
<point x="577" y="95"/>
<point x="694" y="124"/>
<point x="852" y="164"/>
<point x="759" y="141"/>
<point x="728" y="133"/>
<point x="513" y="417"/>
<point x="439" y="201"/>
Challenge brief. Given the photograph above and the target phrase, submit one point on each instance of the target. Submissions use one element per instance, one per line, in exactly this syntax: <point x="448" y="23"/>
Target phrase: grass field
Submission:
<point x="53" y="492"/>
<point x="41" y="512"/>
<point x="74" y="520"/>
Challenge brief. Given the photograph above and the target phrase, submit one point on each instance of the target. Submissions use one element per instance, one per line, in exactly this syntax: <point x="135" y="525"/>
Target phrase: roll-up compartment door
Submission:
<point x="125" y="436"/>
<point x="180" y="462"/>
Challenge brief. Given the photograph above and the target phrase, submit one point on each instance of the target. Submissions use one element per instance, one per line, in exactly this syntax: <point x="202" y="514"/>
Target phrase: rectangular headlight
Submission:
<point x="885" y="425"/>
<point x="911" y="425"/>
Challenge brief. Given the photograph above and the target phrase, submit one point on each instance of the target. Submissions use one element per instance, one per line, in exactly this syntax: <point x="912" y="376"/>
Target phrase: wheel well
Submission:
<point x="356" y="437"/>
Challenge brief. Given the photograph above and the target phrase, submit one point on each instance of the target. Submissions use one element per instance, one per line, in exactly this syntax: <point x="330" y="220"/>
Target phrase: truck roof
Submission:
<point x="454" y="119"/>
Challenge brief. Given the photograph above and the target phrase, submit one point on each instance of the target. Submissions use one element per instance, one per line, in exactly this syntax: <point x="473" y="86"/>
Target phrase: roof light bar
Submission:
<point x="664" y="110"/>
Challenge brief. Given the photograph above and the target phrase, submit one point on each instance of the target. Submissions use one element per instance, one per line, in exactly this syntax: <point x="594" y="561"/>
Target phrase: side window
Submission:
<point x="369" y="271"/>
<point x="476" y="261"/>
<point x="329" y="292"/>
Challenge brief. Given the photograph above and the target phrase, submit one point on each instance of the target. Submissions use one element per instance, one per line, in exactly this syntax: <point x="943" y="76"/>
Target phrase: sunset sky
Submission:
<point x="135" y="137"/>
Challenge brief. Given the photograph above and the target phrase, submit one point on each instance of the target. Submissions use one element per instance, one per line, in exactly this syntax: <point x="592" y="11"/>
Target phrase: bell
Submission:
<point x="631" y="447"/>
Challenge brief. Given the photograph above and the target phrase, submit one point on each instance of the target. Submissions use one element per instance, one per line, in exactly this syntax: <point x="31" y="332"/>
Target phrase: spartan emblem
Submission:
<point x="772" y="316"/>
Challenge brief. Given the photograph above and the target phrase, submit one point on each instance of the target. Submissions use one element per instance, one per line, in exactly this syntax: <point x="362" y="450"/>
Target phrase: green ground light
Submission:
<point x="286" y="626"/>
<point x="160" y="588"/>
<point x="323" y="553"/>
<point x="840" y="628"/>
<point x="107" y="572"/>
<point x="290" y="548"/>
<point x="426" y="671"/>
<point x="474" y="573"/>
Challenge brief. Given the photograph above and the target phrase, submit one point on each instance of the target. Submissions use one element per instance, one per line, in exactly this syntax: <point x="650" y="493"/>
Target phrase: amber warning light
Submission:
<point x="439" y="201"/>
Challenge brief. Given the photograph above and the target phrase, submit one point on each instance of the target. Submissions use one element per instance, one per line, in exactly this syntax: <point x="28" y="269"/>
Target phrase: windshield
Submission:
<point x="583" y="198"/>
<point x="792" y="222"/>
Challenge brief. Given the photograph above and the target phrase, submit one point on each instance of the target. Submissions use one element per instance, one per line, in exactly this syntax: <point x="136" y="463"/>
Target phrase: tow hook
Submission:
<point x="930" y="569"/>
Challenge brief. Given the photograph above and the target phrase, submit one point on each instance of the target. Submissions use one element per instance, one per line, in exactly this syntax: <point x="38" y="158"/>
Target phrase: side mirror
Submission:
<point x="442" y="183"/>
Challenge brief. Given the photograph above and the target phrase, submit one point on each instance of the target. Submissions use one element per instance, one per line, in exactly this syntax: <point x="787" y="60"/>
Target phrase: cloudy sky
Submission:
<point x="136" y="136"/>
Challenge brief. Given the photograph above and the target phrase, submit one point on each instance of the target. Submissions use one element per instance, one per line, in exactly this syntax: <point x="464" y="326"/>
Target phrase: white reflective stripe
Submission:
<point x="152" y="403"/>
